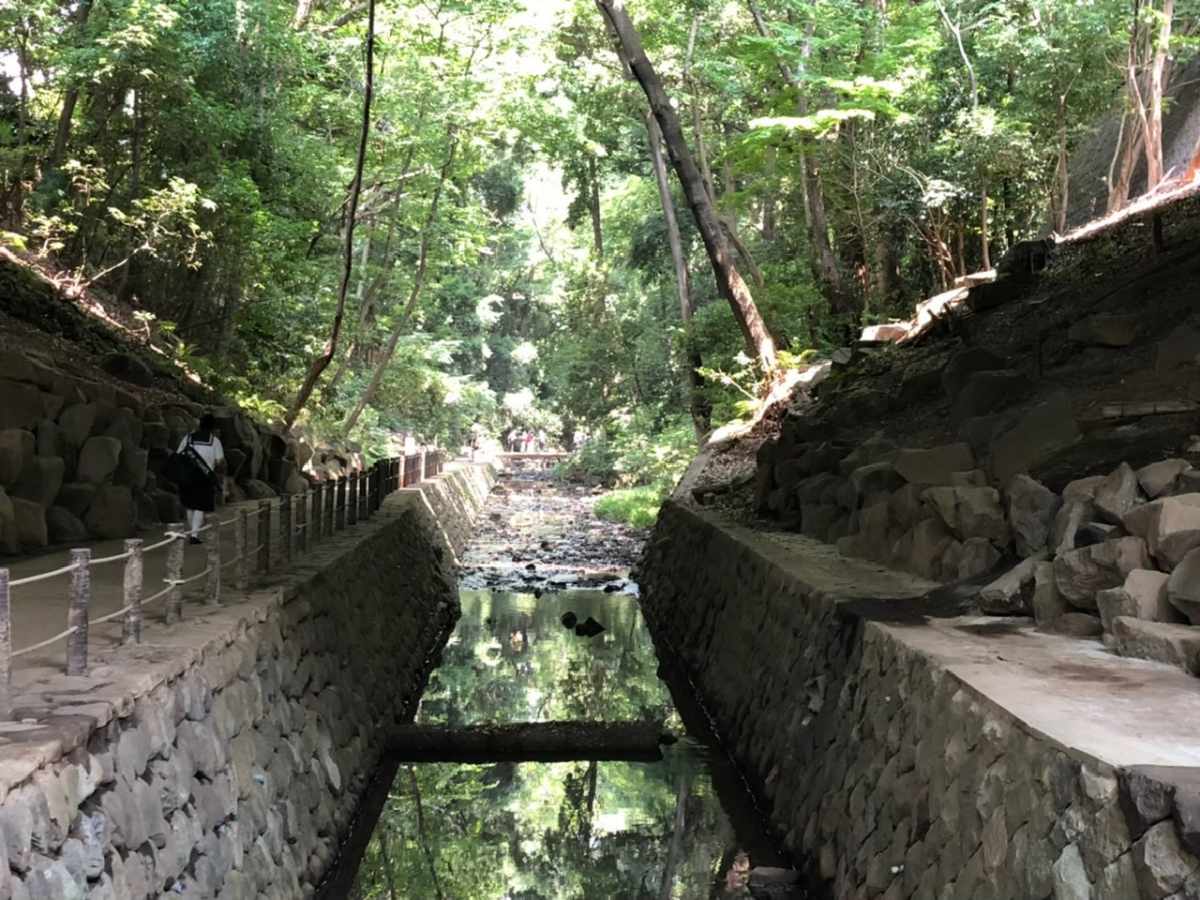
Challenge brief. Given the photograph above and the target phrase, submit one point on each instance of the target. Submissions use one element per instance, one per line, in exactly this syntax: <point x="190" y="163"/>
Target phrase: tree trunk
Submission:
<point x="693" y="382"/>
<point x="421" y="836"/>
<point x="729" y="281"/>
<point x="1153" y="146"/>
<point x="386" y="856"/>
<point x="319" y="364"/>
<point x="594" y="208"/>
<point x="414" y="295"/>
<point x="985" y="256"/>
<point x="62" y="132"/>
<point x="1062" y="173"/>
<point x="1124" y="161"/>
<point x="534" y="742"/>
<point x="682" y="791"/>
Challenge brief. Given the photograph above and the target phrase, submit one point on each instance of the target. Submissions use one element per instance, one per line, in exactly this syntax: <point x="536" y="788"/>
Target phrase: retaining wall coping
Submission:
<point x="1072" y="692"/>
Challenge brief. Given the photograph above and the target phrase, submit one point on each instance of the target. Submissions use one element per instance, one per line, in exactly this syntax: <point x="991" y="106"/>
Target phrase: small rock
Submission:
<point x="1042" y="431"/>
<point x="1158" y="478"/>
<point x="1078" y="624"/>
<point x="99" y="459"/>
<point x="970" y="512"/>
<point x="1081" y="573"/>
<point x="1083" y="488"/>
<point x="1175" y="645"/>
<point x="569" y="620"/>
<point x="1183" y="587"/>
<point x="1048" y="603"/>
<point x="1161" y="862"/>
<point x="1012" y="593"/>
<point x="588" y="628"/>
<point x="1117" y="494"/>
<point x="1031" y="511"/>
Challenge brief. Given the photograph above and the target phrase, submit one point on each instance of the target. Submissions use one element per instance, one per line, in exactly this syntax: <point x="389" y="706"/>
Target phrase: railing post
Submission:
<point x="366" y="487"/>
<point x="329" y="512"/>
<point x="421" y="467"/>
<point x="318" y="511"/>
<point x="352" y="500"/>
<point x="286" y="529"/>
<point x="241" y="540"/>
<point x="302" y="523"/>
<point x="5" y="648"/>
<point x="174" y="607"/>
<point x="341" y="503"/>
<point x="212" y="550"/>
<point x="264" y="536"/>
<point x="133" y="583"/>
<point x="77" y="613"/>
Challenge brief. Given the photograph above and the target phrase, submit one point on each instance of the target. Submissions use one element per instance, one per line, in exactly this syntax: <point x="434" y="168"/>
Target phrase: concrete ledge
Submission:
<point x="901" y="756"/>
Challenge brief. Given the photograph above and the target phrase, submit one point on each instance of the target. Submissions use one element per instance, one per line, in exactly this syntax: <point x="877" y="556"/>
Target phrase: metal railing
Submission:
<point x="304" y="520"/>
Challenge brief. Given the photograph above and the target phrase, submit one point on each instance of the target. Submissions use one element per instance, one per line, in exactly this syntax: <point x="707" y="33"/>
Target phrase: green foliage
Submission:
<point x="634" y="506"/>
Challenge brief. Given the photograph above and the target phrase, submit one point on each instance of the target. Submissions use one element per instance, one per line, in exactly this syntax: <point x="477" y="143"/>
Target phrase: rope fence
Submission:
<point x="305" y="519"/>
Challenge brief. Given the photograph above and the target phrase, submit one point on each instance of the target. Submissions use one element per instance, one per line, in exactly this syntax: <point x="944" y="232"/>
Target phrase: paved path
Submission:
<point x="39" y="610"/>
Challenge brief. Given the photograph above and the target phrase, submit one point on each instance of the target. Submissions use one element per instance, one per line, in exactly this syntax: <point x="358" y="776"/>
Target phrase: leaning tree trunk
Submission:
<point x="1154" y="115"/>
<point x="693" y="382"/>
<point x="729" y="281"/>
<point x="319" y="364"/>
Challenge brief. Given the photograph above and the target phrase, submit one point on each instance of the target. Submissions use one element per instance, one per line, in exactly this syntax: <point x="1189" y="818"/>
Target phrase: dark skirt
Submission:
<point x="199" y="494"/>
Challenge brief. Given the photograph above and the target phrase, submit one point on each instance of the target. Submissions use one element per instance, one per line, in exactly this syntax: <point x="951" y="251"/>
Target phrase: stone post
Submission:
<point x="302" y="525"/>
<point x="77" y="613"/>
<point x="318" y="511"/>
<point x="422" y="470"/>
<point x="352" y="500"/>
<point x="174" y="608"/>
<point x="5" y="648"/>
<point x="330" y="513"/>
<point x="133" y="584"/>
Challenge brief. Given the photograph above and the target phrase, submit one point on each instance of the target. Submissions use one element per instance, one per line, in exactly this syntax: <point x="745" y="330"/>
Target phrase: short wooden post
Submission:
<point x="341" y="503"/>
<point x="364" y="503"/>
<point x="286" y="528"/>
<point x="422" y="469"/>
<point x="318" y="511"/>
<point x="302" y="525"/>
<point x="352" y="500"/>
<point x="264" y="536"/>
<point x="5" y="648"/>
<point x="241" y="540"/>
<point x="134" y="583"/>
<point x="77" y="613"/>
<point x="212" y="550"/>
<point x="174" y="608"/>
<point x="330" y="516"/>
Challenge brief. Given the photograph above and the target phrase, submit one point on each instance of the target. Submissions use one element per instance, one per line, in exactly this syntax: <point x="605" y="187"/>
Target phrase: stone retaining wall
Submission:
<point x="885" y="773"/>
<point x="225" y="757"/>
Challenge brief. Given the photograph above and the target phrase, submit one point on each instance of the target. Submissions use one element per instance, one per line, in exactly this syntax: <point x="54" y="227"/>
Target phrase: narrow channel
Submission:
<point x="683" y="826"/>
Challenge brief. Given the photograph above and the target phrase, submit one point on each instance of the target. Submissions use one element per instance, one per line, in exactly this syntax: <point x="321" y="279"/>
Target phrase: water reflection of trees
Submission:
<point x="563" y="831"/>
<point x="511" y="660"/>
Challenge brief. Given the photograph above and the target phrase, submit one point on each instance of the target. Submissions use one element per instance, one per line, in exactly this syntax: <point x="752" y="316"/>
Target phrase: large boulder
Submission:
<point x="9" y="540"/>
<point x="49" y="439"/>
<point x="129" y="368"/>
<point x="20" y="405"/>
<point x="41" y="480"/>
<point x="1042" y="431"/>
<point x="98" y="460"/>
<point x="133" y="467"/>
<point x="126" y="427"/>
<point x="970" y="512"/>
<point x="17" y="449"/>
<point x="259" y="490"/>
<point x="77" y="422"/>
<point x="906" y="508"/>
<point x="31" y="523"/>
<point x="877" y="478"/>
<point x="935" y="466"/>
<point x="970" y="559"/>
<point x="76" y="498"/>
<point x="156" y="436"/>
<point x="113" y="513"/>
<point x="63" y="527"/>
<point x="1082" y="573"/>
<point x="1183" y="588"/>
<point x="1175" y="645"/>
<point x="987" y="392"/>
<point x="1048" y="604"/>
<point x="15" y="366"/>
<point x="167" y="506"/>
<point x="1117" y="494"/>
<point x="1031" y="511"/>
<point x="921" y="550"/>
<point x="1105" y="330"/>
<point x="965" y="363"/>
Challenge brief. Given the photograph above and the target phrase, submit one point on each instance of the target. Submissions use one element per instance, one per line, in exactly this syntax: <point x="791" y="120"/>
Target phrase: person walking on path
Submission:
<point x="198" y="490"/>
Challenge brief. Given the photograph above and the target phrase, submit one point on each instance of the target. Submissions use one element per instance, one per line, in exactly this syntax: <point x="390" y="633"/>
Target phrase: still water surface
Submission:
<point x="581" y="830"/>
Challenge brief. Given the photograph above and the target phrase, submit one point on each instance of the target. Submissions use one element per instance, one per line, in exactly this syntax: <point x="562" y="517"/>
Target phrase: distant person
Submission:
<point x="528" y="441"/>
<point x="201" y="480"/>
<point x="542" y="441"/>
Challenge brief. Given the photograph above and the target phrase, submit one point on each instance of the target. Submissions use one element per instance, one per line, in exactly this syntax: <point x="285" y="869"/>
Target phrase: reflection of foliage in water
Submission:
<point x="511" y="660"/>
<point x="561" y="831"/>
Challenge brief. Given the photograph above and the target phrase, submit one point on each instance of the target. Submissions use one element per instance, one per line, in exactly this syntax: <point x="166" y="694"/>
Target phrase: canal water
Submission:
<point x="681" y="828"/>
<point x="562" y="831"/>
